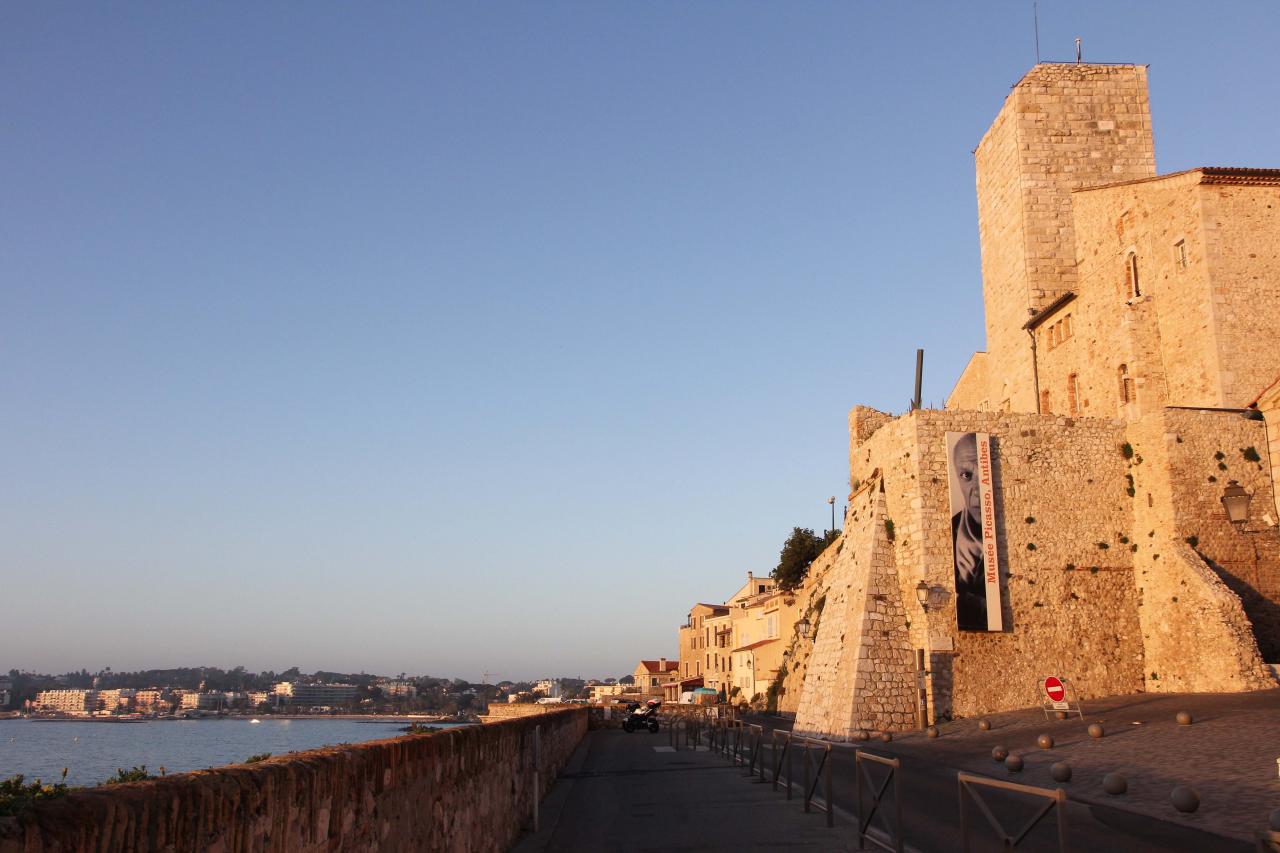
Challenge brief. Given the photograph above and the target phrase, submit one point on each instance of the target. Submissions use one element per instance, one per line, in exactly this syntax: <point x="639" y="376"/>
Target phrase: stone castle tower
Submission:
<point x="1062" y="128"/>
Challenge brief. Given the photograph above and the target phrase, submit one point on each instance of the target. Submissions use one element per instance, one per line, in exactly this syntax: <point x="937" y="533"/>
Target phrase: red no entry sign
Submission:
<point x="1053" y="688"/>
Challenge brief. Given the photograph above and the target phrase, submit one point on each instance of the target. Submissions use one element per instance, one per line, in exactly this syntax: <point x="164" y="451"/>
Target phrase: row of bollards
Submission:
<point x="1184" y="798"/>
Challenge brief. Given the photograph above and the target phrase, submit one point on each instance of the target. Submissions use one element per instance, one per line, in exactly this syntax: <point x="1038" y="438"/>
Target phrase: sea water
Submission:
<point x="92" y="752"/>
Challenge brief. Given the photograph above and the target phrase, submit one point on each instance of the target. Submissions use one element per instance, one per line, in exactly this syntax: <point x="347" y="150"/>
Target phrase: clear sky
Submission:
<point x="453" y="337"/>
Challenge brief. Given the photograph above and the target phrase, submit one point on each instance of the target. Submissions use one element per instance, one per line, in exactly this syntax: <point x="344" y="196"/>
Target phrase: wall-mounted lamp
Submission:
<point x="1236" y="501"/>
<point x="803" y="627"/>
<point x="930" y="596"/>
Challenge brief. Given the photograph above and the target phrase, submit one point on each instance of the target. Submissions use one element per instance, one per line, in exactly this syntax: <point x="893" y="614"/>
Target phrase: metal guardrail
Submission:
<point x="862" y="772"/>
<point x="755" y="742"/>
<point x="970" y="786"/>
<point x="813" y="775"/>
<point x="781" y="755"/>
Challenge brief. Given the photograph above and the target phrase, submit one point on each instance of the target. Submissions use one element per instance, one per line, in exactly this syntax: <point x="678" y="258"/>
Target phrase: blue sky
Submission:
<point x="453" y="338"/>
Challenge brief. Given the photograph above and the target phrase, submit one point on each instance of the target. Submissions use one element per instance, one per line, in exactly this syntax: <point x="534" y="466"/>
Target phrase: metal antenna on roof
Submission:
<point x="1035" y="11"/>
<point x="1078" y="40"/>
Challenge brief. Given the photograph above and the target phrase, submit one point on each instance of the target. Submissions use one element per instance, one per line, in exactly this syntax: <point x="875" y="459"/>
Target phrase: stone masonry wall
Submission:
<point x="861" y="674"/>
<point x="466" y="789"/>
<point x="1163" y="337"/>
<point x="1242" y="228"/>
<point x="1196" y="636"/>
<point x="1071" y="603"/>
<point x="1206" y="450"/>
<point x="972" y="388"/>
<point x="1062" y="128"/>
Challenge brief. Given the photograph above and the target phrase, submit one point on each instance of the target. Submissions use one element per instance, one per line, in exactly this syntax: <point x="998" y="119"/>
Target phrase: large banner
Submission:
<point x="973" y="532"/>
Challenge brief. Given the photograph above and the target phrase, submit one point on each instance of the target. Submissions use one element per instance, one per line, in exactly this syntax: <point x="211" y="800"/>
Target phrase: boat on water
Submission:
<point x="130" y="718"/>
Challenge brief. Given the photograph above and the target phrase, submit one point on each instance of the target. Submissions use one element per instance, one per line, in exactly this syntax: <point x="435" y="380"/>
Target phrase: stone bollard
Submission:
<point x="1061" y="772"/>
<point x="1185" y="799"/>
<point x="1096" y="730"/>
<point x="1044" y="742"/>
<point x="984" y="726"/>
<point x="1013" y="763"/>
<point x="1184" y="718"/>
<point x="1115" y="784"/>
<point x="885" y="737"/>
<point x="999" y="753"/>
<point x="931" y="732"/>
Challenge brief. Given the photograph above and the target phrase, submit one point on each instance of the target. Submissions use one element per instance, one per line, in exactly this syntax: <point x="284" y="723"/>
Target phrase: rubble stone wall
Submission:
<point x="464" y="789"/>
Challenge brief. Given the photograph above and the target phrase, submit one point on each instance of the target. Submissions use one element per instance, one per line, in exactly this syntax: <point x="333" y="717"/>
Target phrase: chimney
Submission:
<point x="662" y="664"/>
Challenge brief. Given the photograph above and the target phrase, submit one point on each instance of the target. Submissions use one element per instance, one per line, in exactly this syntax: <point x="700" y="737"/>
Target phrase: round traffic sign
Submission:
<point x="1053" y="688"/>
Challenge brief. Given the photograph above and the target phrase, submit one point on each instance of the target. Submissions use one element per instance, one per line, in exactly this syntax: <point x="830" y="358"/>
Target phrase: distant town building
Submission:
<point x="652" y="675"/>
<point x="78" y="702"/>
<point x="600" y="691"/>
<point x="398" y="689"/>
<point x="549" y="687"/>
<point x="149" y="699"/>
<point x="319" y="695"/>
<point x="113" y="701"/>
<point x="204" y="701"/>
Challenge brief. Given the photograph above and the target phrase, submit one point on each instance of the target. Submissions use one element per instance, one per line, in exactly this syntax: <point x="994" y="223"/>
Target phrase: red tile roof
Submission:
<point x="656" y="666"/>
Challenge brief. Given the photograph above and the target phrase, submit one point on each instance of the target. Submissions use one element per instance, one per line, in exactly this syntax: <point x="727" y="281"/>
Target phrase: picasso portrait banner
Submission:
<point x="973" y="532"/>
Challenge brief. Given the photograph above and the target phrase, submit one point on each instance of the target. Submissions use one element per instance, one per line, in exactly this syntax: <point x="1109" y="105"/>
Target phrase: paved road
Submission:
<point x="632" y="793"/>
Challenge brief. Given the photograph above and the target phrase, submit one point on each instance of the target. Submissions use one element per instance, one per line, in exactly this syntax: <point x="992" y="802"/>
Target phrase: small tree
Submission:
<point x="799" y="551"/>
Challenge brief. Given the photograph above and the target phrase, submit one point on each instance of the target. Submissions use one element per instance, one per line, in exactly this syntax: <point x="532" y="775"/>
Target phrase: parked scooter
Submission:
<point x="642" y="716"/>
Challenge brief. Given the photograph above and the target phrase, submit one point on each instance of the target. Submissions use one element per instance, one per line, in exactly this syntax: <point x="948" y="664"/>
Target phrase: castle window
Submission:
<point x="1131" y="268"/>
<point x="1073" y="394"/>
<point x="1044" y="402"/>
<point x="1180" y="255"/>
<point x="1126" y="385"/>
<point x="1066" y="327"/>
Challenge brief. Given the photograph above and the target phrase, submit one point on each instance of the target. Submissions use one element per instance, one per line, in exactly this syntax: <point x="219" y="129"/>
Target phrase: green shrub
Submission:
<point x="254" y="759"/>
<point x="134" y="774"/>
<point x="16" y="796"/>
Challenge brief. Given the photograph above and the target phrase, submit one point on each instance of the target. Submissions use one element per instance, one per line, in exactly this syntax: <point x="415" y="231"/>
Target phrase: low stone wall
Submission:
<point x="511" y="711"/>
<point x="464" y="789"/>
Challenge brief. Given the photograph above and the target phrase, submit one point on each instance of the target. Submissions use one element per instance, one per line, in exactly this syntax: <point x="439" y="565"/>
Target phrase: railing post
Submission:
<point x="790" y="770"/>
<point x="807" y="774"/>
<point x="1060" y="799"/>
<point x="831" y="803"/>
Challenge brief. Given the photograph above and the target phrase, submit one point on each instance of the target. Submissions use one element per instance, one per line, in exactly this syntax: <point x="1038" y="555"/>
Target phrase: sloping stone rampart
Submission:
<point x="861" y="674"/>
<point x="465" y="789"/>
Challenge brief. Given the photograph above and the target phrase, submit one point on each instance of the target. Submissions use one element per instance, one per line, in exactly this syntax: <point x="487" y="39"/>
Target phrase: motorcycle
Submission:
<point x="642" y="716"/>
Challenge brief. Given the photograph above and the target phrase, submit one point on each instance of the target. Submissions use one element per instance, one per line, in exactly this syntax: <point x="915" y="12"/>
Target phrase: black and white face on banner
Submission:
<point x="973" y="532"/>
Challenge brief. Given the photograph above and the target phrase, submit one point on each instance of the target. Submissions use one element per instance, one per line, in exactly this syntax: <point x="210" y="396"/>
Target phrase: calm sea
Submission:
<point x="92" y="752"/>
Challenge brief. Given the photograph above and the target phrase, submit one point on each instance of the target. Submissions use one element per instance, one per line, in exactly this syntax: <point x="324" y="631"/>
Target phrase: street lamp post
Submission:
<point x="832" y="501"/>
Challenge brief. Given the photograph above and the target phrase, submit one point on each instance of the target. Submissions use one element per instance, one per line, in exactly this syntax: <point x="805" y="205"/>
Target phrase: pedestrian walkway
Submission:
<point x="634" y="792"/>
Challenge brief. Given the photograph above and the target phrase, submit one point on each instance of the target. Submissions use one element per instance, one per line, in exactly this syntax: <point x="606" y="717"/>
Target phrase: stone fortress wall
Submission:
<point x="1099" y="583"/>
<point x="1129" y="318"/>
<point x="471" y="788"/>
<point x="1062" y="128"/>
